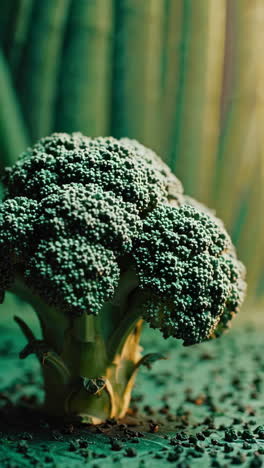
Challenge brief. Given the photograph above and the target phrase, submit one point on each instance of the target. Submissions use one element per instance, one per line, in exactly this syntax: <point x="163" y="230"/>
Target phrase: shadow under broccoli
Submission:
<point x="97" y="235"/>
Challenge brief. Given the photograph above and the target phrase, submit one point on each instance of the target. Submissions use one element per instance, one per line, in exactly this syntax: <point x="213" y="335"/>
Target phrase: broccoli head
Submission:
<point x="97" y="235"/>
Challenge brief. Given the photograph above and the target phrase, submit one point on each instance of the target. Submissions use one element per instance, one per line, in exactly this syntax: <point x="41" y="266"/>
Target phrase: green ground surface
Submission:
<point x="201" y="407"/>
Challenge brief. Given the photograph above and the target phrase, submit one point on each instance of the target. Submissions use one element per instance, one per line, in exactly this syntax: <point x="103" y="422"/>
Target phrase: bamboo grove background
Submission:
<point x="184" y="77"/>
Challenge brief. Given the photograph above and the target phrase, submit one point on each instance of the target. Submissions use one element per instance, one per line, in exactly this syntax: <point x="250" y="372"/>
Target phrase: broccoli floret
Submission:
<point x="99" y="216"/>
<point x="84" y="229"/>
<point x="73" y="275"/>
<point x="173" y="185"/>
<point x="237" y="269"/>
<point x="186" y="260"/>
<point x="114" y="166"/>
<point x="97" y="235"/>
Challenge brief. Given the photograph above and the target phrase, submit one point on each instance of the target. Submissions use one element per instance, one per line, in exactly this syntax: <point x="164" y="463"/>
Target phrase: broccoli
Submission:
<point x="97" y="235"/>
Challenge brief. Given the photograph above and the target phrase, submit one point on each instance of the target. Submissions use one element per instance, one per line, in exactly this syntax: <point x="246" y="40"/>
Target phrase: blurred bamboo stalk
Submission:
<point x="237" y="142"/>
<point x="137" y="70"/>
<point x="172" y="49"/>
<point x="18" y="32"/>
<point x="250" y="242"/>
<point x="84" y="92"/>
<point x="250" y="238"/>
<point x="38" y="73"/>
<point x="197" y="106"/>
<point x="13" y="135"/>
<point x="6" y="17"/>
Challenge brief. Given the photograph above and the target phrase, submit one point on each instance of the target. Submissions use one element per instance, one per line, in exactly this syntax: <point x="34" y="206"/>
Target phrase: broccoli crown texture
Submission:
<point x="187" y="263"/>
<point x="78" y="212"/>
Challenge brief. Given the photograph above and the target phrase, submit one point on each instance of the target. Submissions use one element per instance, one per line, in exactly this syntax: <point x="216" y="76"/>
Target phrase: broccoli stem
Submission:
<point x="90" y="359"/>
<point x="127" y="323"/>
<point x="77" y="353"/>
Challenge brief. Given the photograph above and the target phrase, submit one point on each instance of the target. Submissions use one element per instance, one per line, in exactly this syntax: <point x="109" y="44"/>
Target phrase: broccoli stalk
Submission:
<point x="89" y="363"/>
<point x="97" y="235"/>
<point x="89" y="356"/>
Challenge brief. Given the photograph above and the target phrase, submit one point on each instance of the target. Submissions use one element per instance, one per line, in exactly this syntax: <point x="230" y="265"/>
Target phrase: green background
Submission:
<point x="185" y="78"/>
